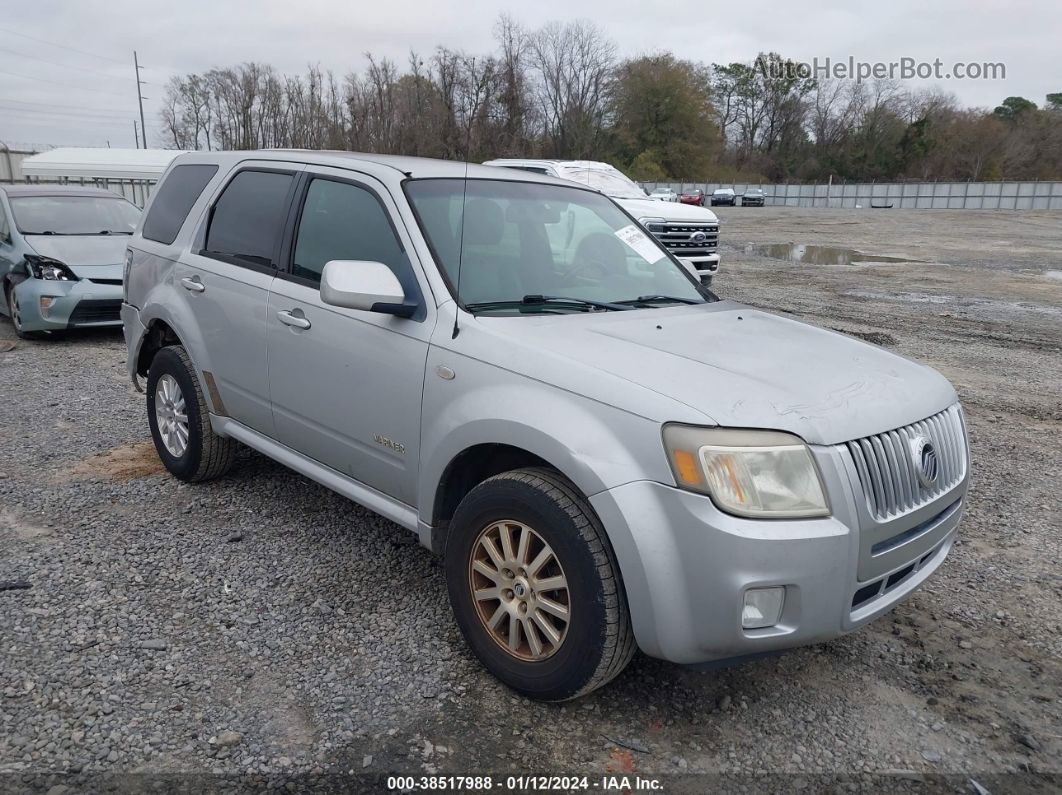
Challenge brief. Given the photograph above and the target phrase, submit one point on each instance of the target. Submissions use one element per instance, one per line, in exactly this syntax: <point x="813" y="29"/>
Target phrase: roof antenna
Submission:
<point x="464" y="200"/>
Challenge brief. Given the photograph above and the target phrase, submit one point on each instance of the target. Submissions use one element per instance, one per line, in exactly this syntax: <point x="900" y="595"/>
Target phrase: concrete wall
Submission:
<point x="907" y="195"/>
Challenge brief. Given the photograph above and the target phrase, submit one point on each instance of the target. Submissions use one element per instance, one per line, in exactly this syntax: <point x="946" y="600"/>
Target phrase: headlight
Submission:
<point x="762" y="474"/>
<point x="50" y="269"/>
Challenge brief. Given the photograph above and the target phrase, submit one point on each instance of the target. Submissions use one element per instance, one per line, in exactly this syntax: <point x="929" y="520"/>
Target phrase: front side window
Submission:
<point x="519" y="241"/>
<point x="341" y="221"/>
<point x="74" y="215"/>
<point x="248" y="218"/>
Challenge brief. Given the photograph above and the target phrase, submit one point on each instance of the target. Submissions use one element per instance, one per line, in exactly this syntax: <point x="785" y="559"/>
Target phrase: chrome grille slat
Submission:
<point x="676" y="237"/>
<point x="888" y="474"/>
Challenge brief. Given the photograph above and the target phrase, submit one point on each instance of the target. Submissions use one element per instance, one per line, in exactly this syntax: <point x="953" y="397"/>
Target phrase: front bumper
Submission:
<point x="705" y="267"/>
<point x="73" y="304"/>
<point x="686" y="566"/>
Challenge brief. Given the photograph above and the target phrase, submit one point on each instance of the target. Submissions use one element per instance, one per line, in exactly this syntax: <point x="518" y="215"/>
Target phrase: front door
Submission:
<point x="346" y="385"/>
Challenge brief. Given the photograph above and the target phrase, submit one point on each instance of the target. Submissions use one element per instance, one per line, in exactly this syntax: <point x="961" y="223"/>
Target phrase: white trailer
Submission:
<point x="130" y="172"/>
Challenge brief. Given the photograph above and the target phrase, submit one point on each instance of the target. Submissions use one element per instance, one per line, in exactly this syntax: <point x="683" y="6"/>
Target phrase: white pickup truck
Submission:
<point x="690" y="233"/>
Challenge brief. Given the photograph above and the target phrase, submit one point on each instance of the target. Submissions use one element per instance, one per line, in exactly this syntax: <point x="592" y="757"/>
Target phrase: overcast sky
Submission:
<point x="82" y="92"/>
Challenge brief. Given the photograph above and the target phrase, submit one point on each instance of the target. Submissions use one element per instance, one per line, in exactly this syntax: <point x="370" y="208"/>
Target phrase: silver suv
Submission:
<point x="604" y="453"/>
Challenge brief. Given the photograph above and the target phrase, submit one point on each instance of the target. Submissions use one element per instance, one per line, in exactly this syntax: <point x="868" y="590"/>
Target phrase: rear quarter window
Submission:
<point x="173" y="199"/>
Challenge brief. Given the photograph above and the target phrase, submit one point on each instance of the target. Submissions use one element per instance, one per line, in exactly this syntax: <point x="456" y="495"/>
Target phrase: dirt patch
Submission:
<point x="876" y="337"/>
<point x="127" y="462"/>
<point x="22" y="530"/>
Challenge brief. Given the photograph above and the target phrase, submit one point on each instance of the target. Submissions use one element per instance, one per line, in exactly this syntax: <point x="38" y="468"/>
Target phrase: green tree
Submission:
<point x="1014" y="108"/>
<point x="663" y="118"/>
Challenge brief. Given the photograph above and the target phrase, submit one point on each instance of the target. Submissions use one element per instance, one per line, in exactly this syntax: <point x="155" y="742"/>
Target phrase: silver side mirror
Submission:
<point x="365" y="285"/>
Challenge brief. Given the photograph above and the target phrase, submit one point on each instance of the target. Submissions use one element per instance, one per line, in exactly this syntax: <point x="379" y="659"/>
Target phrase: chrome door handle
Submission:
<point x="289" y="319"/>
<point x="194" y="285"/>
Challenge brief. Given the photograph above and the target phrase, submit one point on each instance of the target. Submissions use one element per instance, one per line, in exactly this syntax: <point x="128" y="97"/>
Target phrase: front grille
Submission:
<point x="676" y="237"/>
<point x="96" y="312"/>
<point x="887" y="468"/>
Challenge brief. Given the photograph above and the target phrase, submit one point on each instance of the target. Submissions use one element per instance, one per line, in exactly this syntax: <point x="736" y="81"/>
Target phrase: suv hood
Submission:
<point x="743" y="368"/>
<point x="82" y="250"/>
<point x="669" y="211"/>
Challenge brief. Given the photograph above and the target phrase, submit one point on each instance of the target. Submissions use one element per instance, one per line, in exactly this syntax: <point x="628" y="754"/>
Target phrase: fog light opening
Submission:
<point x="762" y="608"/>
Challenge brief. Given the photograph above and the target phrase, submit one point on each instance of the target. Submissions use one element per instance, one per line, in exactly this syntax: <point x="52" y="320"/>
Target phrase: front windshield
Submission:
<point x="529" y="240"/>
<point x="608" y="182"/>
<point x="74" y="215"/>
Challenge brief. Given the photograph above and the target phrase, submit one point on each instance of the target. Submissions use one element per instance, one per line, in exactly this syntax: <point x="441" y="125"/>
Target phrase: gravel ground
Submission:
<point x="261" y="625"/>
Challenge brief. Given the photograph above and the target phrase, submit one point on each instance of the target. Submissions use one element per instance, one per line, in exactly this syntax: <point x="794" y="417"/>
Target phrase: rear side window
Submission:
<point x="173" y="199"/>
<point x="343" y="221"/>
<point x="249" y="217"/>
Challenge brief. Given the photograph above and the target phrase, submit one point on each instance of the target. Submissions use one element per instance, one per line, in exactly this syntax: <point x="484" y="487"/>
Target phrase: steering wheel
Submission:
<point x="598" y="255"/>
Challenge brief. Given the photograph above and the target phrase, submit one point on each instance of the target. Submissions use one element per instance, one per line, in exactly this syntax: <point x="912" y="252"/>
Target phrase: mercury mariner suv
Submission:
<point x="605" y="454"/>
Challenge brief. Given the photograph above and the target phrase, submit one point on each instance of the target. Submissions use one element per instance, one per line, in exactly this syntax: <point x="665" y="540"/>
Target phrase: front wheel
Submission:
<point x="535" y="587"/>
<point x="14" y="311"/>
<point x="180" y="420"/>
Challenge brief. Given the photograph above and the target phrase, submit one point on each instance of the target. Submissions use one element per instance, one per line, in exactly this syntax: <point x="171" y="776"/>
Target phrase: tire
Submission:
<point x="596" y="642"/>
<point x="14" y="314"/>
<point x="204" y="455"/>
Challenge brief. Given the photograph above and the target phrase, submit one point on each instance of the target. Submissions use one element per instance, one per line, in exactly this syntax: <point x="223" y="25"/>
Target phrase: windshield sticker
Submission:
<point x="640" y="242"/>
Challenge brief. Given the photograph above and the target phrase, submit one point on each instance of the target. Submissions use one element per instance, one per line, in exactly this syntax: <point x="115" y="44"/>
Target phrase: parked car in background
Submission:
<point x="724" y="197"/>
<point x="694" y="197"/>
<point x="753" y="197"/>
<point x="691" y="234"/>
<point x="604" y="453"/>
<point x="664" y="195"/>
<point x="62" y="253"/>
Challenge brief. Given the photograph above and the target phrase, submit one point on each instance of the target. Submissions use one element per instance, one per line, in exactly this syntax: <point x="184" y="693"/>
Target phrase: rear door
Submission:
<point x="225" y="279"/>
<point x="346" y="385"/>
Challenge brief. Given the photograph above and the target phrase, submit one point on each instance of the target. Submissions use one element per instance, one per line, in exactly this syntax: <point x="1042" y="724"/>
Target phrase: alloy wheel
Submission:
<point x="171" y="415"/>
<point x="520" y="590"/>
<point x="13" y="310"/>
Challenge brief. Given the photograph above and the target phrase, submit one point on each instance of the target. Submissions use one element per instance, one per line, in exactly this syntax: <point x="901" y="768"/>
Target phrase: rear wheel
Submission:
<point x="180" y="420"/>
<point x="535" y="587"/>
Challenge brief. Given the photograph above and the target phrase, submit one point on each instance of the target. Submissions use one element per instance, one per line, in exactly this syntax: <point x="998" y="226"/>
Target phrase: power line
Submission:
<point x="63" y="46"/>
<point x="64" y="85"/>
<point x="60" y="65"/>
<point x="81" y="122"/>
<point x="73" y="115"/>
<point x="64" y="105"/>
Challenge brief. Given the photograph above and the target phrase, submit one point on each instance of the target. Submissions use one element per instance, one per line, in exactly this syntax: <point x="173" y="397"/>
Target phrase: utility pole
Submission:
<point x="136" y="135"/>
<point x="140" y="98"/>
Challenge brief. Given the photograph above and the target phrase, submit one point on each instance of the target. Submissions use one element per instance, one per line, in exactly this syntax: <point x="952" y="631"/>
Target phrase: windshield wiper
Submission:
<point x="112" y="232"/>
<point x="659" y="299"/>
<point x="541" y="300"/>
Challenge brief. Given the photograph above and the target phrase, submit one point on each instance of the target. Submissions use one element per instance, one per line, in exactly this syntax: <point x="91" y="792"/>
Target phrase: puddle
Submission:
<point x="818" y="255"/>
<point x="1056" y="275"/>
<point x="122" y="463"/>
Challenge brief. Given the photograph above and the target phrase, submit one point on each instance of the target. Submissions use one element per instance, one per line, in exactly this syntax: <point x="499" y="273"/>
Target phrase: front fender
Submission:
<point x="595" y="446"/>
